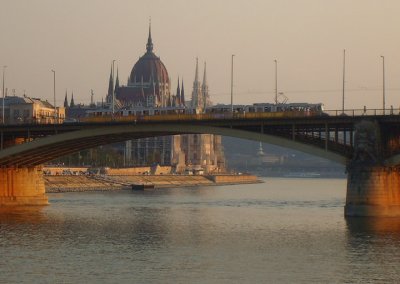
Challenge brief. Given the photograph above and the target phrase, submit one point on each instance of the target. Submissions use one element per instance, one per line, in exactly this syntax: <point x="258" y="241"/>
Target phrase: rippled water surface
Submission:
<point x="280" y="231"/>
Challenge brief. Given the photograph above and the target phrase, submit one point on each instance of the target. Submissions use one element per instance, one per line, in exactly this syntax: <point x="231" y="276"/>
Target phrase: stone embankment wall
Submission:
<point x="65" y="183"/>
<point x="112" y="182"/>
<point x="164" y="180"/>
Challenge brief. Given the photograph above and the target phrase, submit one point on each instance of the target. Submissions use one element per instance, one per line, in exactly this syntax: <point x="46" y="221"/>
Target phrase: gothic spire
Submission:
<point x="110" y="87"/>
<point x="178" y="91"/>
<point x="196" y="74"/>
<point x="72" y="104"/>
<point x="149" y="45"/>
<point x="204" y="88"/>
<point x="197" y="98"/>
<point x="66" y="100"/>
<point x="183" y="95"/>
<point x="116" y="81"/>
<point x="205" y="75"/>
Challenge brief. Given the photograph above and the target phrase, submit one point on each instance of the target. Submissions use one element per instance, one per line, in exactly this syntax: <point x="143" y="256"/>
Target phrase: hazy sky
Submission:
<point x="80" y="38"/>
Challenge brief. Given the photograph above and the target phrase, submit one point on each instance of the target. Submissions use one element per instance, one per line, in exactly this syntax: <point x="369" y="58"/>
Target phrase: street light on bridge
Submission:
<point x="232" y="84"/>
<point x="383" y="91"/>
<point x="113" y="91"/>
<point x="276" y="81"/>
<point x="54" y="94"/>
<point x="4" y="68"/>
<point x="344" y="70"/>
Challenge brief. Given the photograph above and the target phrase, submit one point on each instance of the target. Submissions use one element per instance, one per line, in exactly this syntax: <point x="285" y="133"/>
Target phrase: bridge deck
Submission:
<point x="330" y="133"/>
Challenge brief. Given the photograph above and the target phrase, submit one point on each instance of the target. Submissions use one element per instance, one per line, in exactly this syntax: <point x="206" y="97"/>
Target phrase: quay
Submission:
<point x="80" y="183"/>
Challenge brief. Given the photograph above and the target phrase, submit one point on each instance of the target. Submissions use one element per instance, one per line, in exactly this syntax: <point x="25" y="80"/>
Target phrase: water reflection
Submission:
<point x="373" y="226"/>
<point x="373" y="247"/>
<point x="22" y="215"/>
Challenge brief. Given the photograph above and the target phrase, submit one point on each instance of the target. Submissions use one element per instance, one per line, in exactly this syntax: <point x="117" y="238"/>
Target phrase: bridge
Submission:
<point x="366" y="142"/>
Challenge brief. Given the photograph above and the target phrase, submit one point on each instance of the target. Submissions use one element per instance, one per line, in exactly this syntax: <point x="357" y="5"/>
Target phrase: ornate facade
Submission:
<point x="149" y="86"/>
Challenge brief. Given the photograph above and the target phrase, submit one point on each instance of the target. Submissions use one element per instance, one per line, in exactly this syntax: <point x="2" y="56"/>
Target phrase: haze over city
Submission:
<point x="80" y="39"/>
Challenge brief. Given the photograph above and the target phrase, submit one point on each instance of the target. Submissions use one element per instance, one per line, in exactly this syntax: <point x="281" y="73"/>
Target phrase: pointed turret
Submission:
<point x="178" y="93"/>
<point x="110" y="88"/>
<point x="72" y="104"/>
<point x="205" y="74"/>
<point x="183" y="95"/>
<point x="149" y="45"/>
<point x="204" y="89"/>
<point x="196" y="74"/>
<point x="66" y="100"/>
<point x="197" y="98"/>
<point x="116" y="81"/>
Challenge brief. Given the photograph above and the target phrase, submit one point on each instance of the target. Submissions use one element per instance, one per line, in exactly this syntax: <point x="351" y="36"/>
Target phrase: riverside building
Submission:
<point x="25" y="109"/>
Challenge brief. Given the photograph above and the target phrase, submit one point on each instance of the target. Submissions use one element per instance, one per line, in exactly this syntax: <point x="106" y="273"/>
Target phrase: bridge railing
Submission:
<point x="200" y="117"/>
<point x="363" y="112"/>
<point x="241" y="115"/>
<point x="236" y="115"/>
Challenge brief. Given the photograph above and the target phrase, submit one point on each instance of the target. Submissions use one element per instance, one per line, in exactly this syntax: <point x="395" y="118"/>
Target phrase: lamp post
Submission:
<point x="276" y="81"/>
<point x="383" y="90"/>
<point x="4" y="68"/>
<point x="54" y="94"/>
<point x="232" y="84"/>
<point x="113" y="93"/>
<point x="344" y="69"/>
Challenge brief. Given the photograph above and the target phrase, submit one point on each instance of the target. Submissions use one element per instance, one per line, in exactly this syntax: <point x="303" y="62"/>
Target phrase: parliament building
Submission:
<point x="149" y="86"/>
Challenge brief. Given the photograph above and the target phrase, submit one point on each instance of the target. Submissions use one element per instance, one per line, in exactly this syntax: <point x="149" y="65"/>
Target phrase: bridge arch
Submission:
<point x="48" y="148"/>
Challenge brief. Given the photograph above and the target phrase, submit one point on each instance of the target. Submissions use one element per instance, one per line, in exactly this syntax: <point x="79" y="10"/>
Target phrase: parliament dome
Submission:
<point x="149" y="67"/>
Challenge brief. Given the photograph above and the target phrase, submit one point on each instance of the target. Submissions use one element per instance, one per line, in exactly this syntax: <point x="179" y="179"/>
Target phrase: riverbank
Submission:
<point x="78" y="183"/>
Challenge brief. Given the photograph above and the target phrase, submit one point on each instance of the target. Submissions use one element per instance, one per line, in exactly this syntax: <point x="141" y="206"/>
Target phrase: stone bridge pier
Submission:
<point x="22" y="186"/>
<point x="373" y="189"/>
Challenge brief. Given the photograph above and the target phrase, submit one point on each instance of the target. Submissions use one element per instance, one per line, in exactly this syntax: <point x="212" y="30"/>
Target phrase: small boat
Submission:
<point x="143" y="186"/>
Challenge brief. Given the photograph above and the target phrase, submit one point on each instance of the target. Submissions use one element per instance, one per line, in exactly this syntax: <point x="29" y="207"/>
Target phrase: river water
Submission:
<point x="280" y="231"/>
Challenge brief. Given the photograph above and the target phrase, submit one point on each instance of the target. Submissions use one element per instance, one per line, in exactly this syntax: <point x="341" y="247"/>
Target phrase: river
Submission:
<point x="280" y="231"/>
